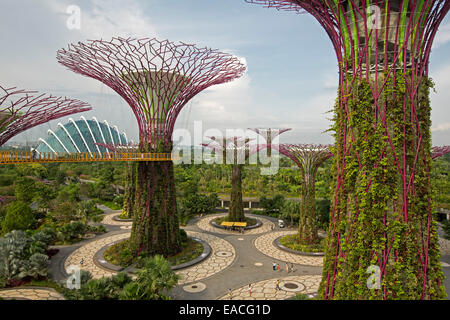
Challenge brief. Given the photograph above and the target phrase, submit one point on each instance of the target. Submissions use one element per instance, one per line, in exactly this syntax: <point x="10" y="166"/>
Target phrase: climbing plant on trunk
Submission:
<point x="381" y="220"/>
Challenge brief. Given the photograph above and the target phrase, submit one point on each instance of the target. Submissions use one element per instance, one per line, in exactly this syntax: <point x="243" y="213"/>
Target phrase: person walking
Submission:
<point x="277" y="287"/>
<point x="274" y="266"/>
<point x="287" y="268"/>
<point x="278" y="267"/>
<point x="230" y="294"/>
<point x="292" y="267"/>
<point x="250" y="289"/>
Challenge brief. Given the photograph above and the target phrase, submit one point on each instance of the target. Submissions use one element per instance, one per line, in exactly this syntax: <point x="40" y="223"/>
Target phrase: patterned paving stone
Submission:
<point x="31" y="294"/>
<point x="213" y="264"/>
<point x="444" y="244"/>
<point x="108" y="219"/>
<point x="265" y="244"/>
<point x="84" y="258"/>
<point x="266" y="289"/>
<point x="204" y="224"/>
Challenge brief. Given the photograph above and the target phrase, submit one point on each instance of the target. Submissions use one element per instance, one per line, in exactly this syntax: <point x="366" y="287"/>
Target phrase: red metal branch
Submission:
<point x="437" y="152"/>
<point x="21" y="110"/>
<point x="156" y="78"/>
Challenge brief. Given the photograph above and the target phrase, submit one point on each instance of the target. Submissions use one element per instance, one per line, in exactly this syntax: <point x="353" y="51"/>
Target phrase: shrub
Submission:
<point x="272" y="206"/>
<point x="64" y="212"/>
<point x="99" y="289"/>
<point x="20" y="256"/>
<point x="71" y="231"/>
<point x="35" y="266"/>
<point x="19" y="216"/>
<point x="118" y="200"/>
<point x="152" y="281"/>
<point x="25" y="189"/>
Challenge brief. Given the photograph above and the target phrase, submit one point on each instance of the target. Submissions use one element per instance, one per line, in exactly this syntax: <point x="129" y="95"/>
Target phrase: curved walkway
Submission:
<point x="109" y="220"/>
<point x="265" y="245"/>
<point x="266" y="289"/>
<point x="222" y="255"/>
<point x="205" y="225"/>
<point x="444" y="244"/>
<point x="31" y="293"/>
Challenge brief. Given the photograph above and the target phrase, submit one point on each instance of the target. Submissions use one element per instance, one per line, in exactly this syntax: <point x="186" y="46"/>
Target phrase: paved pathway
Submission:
<point x="205" y="225"/>
<point x="266" y="289"/>
<point x="444" y="244"/>
<point x="108" y="220"/>
<point x="235" y="261"/>
<point x="265" y="244"/>
<point x="222" y="255"/>
<point x="30" y="293"/>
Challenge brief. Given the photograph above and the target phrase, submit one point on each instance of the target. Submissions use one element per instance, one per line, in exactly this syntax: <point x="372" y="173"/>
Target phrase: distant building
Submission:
<point x="82" y="136"/>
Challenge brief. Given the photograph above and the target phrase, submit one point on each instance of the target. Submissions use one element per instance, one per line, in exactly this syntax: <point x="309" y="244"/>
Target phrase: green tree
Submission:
<point x="152" y="282"/>
<point x="64" y="212"/>
<point x="25" y="189"/>
<point x="19" y="216"/>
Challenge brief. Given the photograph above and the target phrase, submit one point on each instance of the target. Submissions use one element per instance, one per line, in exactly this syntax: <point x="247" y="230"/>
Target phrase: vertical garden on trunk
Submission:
<point x="382" y="240"/>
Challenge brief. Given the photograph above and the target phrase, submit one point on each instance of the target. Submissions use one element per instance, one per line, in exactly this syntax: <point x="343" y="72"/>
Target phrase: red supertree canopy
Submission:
<point x="307" y="156"/>
<point x="437" y="152"/>
<point x="156" y="78"/>
<point x="21" y="110"/>
<point x="234" y="148"/>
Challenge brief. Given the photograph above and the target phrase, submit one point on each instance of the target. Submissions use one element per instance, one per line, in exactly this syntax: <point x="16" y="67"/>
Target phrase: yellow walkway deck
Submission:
<point x="9" y="157"/>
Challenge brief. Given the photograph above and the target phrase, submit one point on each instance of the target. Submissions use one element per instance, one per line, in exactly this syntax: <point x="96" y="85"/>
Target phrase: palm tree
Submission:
<point x="152" y="280"/>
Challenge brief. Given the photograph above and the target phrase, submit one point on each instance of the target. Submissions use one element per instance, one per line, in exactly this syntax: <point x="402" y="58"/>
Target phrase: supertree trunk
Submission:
<point x="308" y="228"/>
<point x="236" y="205"/>
<point x="155" y="222"/>
<point x="130" y="190"/>
<point x="381" y="220"/>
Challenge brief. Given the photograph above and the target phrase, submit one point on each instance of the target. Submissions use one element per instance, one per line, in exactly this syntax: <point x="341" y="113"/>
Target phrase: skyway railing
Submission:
<point x="11" y="157"/>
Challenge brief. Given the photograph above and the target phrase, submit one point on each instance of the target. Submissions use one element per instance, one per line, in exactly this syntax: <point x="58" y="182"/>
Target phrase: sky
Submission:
<point x="291" y="79"/>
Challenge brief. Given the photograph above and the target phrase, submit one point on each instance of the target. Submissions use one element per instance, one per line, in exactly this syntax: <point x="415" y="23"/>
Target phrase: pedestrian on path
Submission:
<point x="250" y="289"/>
<point x="292" y="267"/>
<point x="277" y="285"/>
<point x="274" y="266"/>
<point x="278" y="267"/>
<point x="230" y="294"/>
<point x="287" y="267"/>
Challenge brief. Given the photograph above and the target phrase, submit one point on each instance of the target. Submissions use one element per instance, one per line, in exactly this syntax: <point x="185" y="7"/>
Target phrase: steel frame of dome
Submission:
<point x="82" y="136"/>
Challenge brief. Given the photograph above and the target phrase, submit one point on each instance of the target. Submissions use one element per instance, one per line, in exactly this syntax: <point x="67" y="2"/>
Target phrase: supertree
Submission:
<point x="269" y="134"/>
<point x="381" y="219"/>
<point x="21" y="110"/>
<point x="157" y="79"/>
<point x="309" y="158"/>
<point x="437" y="152"/>
<point x="234" y="151"/>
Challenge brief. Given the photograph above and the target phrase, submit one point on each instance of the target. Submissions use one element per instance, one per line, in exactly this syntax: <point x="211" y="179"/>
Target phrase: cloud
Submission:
<point x="109" y="18"/>
<point x="441" y="127"/>
<point x="442" y="36"/>
<point x="439" y="101"/>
